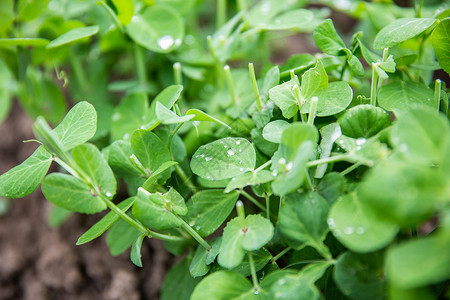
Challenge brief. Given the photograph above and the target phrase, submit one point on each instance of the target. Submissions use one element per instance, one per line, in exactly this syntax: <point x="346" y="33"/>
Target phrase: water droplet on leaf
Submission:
<point x="165" y="42"/>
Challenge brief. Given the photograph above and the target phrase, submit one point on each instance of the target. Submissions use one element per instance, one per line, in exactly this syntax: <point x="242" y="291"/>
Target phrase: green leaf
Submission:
<point x="78" y="126"/>
<point x="299" y="286"/>
<point x="293" y="171"/>
<point x="284" y="97"/>
<point x="222" y="285"/>
<point x="331" y="100"/>
<point x="73" y="35"/>
<point x="208" y="209"/>
<point x="178" y="283"/>
<point x="24" y="179"/>
<point x="273" y="130"/>
<point x="403" y="94"/>
<point x="105" y="223"/>
<point x="313" y="81"/>
<point x="354" y="63"/>
<point x="125" y="10"/>
<point x="303" y="220"/>
<point x="6" y="14"/>
<point x="202" y="116"/>
<point x="421" y="135"/>
<point x="166" y="97"/>
<point x="440" y="37"/>
<point x="293" y="137"/>
<point x="148" y="184"/>
<point x="358" y="227"/>
<point x="71" y="193"/>
<point x="119" y="159"/>
<point x="260" y="259"/>
<point x="120" y="237"/>
<point x="28" y="10"/>
<point x="249" y="178"/>
<point x="294" y="19"/>
<point x="91" y="162"/>
<point x="128" y="116"/>
<point x="327" y="39"/>
<point x="418" y="263"/>
<point x="135" y="253"/>
<point x="359" y="276"/>
<point x="258" y="232"/>
<point x="156" y="210"/>
<point x="401" y="30"/>
<point x="331" y="187"/>
<point x="26" y="42"/>
<point x="224" y="158"/>
<point x="330" y="133"/>
<point x="363" y="121"/>
<point x="198" y="266"/>
<point x="166" y="116"/>
<point x="158" y="28"/>
<point x="150" y="150"/>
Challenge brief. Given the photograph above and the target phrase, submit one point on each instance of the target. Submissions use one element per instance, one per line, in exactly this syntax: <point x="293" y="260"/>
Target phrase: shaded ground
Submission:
<point x="38" y="262"/>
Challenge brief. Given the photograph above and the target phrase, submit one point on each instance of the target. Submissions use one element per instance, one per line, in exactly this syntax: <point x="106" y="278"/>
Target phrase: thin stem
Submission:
<point x="263" y="166"/>
<point x="139" y="59"/>
<point x="267" y="197"/>
<point x="255" y="85"/>
<point x="139" y="165"/>
<point x="279" y="255"/>
<point x="193" y="233"/>
<point x="252" y="199"/>
<point x="221" y="13"/>
<point x="178" y="77"/>
<point x="230" y="83"/>
<point x="437" y="94"/>
<point x="418" y="7"/>
<point x="253" y="271"/>
<point x="312" y="110"/>
<point x="351" y="168"/>
<point x="327" y="160"/>
<point x="185" y="178"/>
<point x="373" y="89"/>
<point x="299" y="102"/>
<point x="323" y="250"/>
<point x="241" y="213"/>
<point x="112" y="14"/>
<point x="308" y="181"/>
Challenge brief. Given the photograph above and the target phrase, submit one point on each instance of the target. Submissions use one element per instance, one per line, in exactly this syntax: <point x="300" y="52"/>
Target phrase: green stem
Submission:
<point x="312" y="110"/>
<point x="241" y="214"/>
<point x="221" y="13"/>
<point x="217" y="64"/>
<point x="255" y="85"/>
<point x="299" y="102"/>
<point x="193" y="233"/>
<point x="267" y="197"/>
<point x="185" y="178"/>
<point x="253" y="271"/>
<point x="327" y="160"/>
<point x="139" y="166"/>
<point x="351" y="168"/>
<point x="437" y="94"/>
<point x="112" y="14"/>
<point x="139" y="58"/>
<point x="308" y="181"/>
<point x="263" y="166"/>
<point x="230" y="83"/>
<point x="418" y="8"/>
<point x="279" y="255"/>
<point x="373" y="89"/>
<point x="323" y="250"/>
<point x="253" y="200"/>
<point x="178" y="78"/>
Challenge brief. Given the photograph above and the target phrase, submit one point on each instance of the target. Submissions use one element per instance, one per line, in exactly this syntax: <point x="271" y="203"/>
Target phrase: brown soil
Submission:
<point x="39" y="262"/>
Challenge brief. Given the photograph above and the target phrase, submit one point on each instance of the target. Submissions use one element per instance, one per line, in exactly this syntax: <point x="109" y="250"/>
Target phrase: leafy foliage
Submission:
<point x="324" y="177"/>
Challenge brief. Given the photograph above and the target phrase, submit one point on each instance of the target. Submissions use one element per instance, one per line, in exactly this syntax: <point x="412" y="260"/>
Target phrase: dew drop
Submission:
<point x="330" y="222"/>
<point x="228" y="138"/>
<point x="225" y="146"/>
<point x="241" y="169"/>
<point x="233" y="179"/>
<point x="282" y="161"/>
<point x="208" y="158"/>
<point x="256" y="292"/>
<point x="238" y="142"/>
<point x="221" y="142"/>
<point x="240" y="150"/>
<point x="403" y="147"/>
<point x="126" y="136"/>
<point x="177" y="42"/>
<point x="360" y="141"/>
<point x="202" y="155"/>
<point x="336" y="232"/>
<point x="135" y="19"/>
<point x="349" y="230"/>
<point x="231" y="152"/>
<point x="197" y="227"/>
<point x="240" y="162"/>
<point x="274" y="173"/>
<point x="108" y="194"/>
<point x="360" y="230"/>
<point x="165" y="42"/>
<point x="116" y="117"/>
<point x="197" y="156"/>
<point x="192" y="223"/>
<point x="289" y="166"/>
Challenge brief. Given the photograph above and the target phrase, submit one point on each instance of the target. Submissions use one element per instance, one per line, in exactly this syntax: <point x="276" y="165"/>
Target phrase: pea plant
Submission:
<point x="327" y="177"/>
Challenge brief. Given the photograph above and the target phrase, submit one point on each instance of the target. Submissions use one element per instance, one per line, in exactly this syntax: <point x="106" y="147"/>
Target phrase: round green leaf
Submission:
<point x="73" y="36"/>
<point x="441" y="44"/>
<point x="332" y="99"/>
<point x="404" y="94"/>
<point x="259" y="231"/>
<point x="401" y="30"/>
<point x="222" y="285"/>
<point x="357" y="227"/>
<point x="224" y="158"/>
<point x="363" y="121"/>
<point x="273" y="131"/>
<point x="231" y="253"/>
<point x="358" y="276"/>
<point x="71" y="193"/>
<point x="158" y="28"/>
<point x="303" y="218"/>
